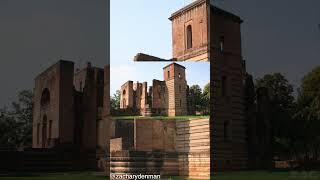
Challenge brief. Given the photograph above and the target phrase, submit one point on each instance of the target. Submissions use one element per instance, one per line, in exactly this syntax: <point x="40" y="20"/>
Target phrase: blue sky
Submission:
<point x="285" y="40"/>
<point x="143" y="26"/>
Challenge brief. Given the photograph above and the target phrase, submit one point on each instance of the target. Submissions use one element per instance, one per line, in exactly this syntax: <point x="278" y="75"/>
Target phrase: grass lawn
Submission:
<point x="55" y="176"/>
<point x="245" y="175"/>
<point x="268" y="175"/>
<point x="159" y="117"/>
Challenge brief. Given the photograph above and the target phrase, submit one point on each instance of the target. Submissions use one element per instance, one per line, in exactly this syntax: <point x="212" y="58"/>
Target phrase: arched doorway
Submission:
<point x="45" y="98"/>
<point x="44" y="108"/>
<point x="124" y="101"/>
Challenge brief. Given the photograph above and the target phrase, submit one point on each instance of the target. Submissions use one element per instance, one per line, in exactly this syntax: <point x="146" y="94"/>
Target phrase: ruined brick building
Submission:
<point x="206" y="33"/>
<point x="170" y="97"/>
<point x="71" y="107"/>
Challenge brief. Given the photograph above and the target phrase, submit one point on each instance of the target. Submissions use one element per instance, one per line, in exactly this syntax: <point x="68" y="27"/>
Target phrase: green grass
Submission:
<point x="55" y="176"/>
<point x="268" y="175"/>
<point x="244" y="175"/>
<point x="159" y="117"/>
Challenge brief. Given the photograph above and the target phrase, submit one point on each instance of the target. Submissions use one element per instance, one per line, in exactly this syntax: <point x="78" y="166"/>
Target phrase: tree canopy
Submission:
<point x="16" y="121"/>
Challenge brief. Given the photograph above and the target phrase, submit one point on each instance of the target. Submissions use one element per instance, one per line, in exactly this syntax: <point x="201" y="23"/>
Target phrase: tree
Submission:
<point x="206" y="92"/>
<point x="16" y="121"/>
<point x="201" y="98"/>
<point x="308" y="114"/>
<point x="309" y="93"/>
<point x="115" y="101"/>
<point x="206" y="97"/>
<point x="280" y="111"/>
<point x="280" y="90"/>
<point x="197" y="93"/>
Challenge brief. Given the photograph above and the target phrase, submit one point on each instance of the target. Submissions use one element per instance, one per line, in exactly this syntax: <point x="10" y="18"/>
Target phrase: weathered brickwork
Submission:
<point x="192" y="19"/>
<point x="166" y="147"/>
<point x="229" y="128"/>
<point x="215" y="35"/>
<point x="53" y="106"/>
<point x="72" y="108"/>
<point x="168" y="97"/>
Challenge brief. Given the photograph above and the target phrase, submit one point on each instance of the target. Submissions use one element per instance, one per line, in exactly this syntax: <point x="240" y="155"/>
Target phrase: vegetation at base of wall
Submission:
<point x="201" y="98"/>
<point x="295" y="122"/>
<point x="115" y="102"/>
<point x="160" y="117"/>
<point x="16" y="122"/>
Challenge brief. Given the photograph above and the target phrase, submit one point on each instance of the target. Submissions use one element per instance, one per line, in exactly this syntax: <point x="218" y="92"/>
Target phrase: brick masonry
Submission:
<point x="71" y="109"/>
<point x="216" y="33"/>
<point x="175" y="147"/>
<point x="167" y="97"/>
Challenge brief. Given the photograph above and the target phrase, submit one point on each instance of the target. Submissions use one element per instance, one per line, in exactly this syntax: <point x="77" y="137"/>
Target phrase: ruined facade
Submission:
<point x="71" y="108"/>
<point x="168" y="97"/>
<point x="204" y="32"/>
<point x="166" y="147"/>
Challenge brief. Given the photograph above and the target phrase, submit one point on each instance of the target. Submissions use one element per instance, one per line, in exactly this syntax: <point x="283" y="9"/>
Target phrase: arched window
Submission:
<point x="168" y="74"/>
<point x="45" y="97"/>
<point x="189" y="37"/>
<point x="124" y="92"/>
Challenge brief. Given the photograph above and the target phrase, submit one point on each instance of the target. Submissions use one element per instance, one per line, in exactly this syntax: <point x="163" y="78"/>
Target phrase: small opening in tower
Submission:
<point x="189" y="37"/>
<point x="221" y="43"/>
<point x="168" y="74"/>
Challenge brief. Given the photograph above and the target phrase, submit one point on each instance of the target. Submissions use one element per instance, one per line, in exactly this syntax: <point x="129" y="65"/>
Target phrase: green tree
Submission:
<point x="281" y="110"/>
<point x="309" y="94"/>
<point x="197" y="93"/>
<point x="115" y="101"/>
<point x="16" y="121"/>
<point x="308" y="114"/>
<point x="206" y="98"/>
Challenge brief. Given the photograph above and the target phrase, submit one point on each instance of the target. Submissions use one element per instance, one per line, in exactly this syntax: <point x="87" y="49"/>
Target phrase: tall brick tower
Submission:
<point x="203" y="32"/>
<point x="175" y="79"/>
